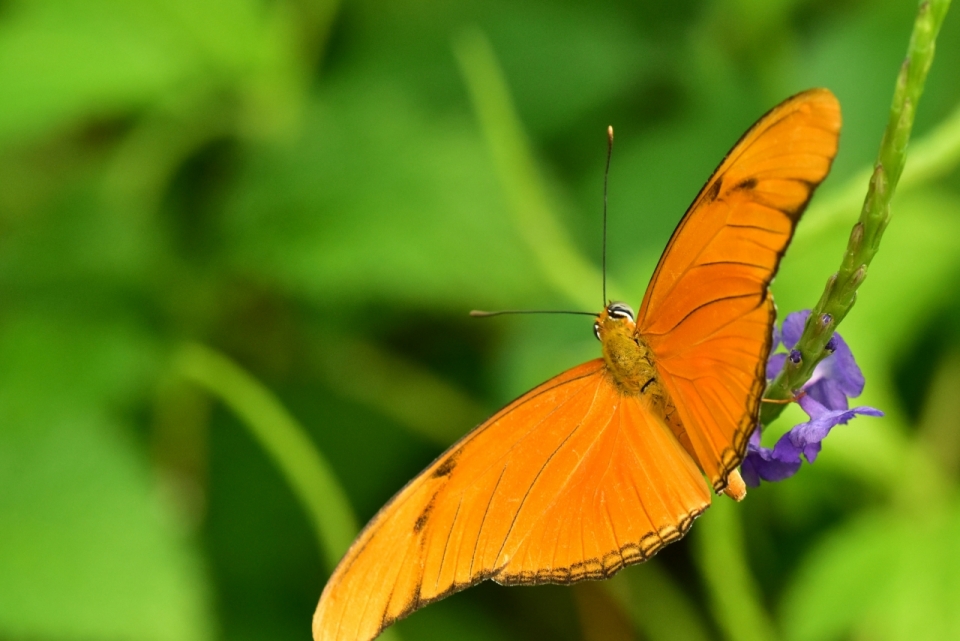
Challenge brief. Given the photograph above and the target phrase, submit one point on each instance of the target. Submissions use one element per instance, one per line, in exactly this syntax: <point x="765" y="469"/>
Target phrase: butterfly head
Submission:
<point x="617" y="317"/>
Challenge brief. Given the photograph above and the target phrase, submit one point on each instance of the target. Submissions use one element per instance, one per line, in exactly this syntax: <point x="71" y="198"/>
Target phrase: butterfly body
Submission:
<point x="606" y="463"/>
<point x="628" y="359"/>
<point x="632" y="369"/>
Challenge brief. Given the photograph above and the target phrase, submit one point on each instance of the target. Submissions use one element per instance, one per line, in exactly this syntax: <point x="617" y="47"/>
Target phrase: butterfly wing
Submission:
<point x="707" y="312"/>
<point x="571" y="481"/>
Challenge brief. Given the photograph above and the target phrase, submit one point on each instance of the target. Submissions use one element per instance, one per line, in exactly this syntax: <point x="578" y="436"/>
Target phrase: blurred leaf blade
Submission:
<point x="81" y="523"/>
<point x="281" y="436"/>
<point x="887" y="576"/>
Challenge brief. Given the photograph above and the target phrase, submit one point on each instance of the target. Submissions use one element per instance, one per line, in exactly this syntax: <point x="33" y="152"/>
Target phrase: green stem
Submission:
<point x="285" y="440"/>
<point x="656" y="604"/>
<point x="733" y="594"/>
<point x="931" y="157"/>
<point x="841" y="290"/>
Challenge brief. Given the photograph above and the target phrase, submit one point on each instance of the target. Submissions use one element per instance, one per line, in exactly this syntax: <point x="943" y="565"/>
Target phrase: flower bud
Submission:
<point x="859" y="276"/>
<point x="856" y="238"/>
<point x="828" y="290"/>
<point x="831" y="345"/>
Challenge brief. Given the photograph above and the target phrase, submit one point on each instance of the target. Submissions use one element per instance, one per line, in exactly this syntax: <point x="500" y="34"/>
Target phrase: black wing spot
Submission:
<point x="425" y="515"/>
<point x="748" y="184"/>
<point x="422" y="520"/>
<point x="445" y="468"/>
<point x="714" y="190"/>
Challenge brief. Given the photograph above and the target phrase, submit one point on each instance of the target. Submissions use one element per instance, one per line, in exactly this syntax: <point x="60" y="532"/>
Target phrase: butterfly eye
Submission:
<point x="596" y="329"/>
<point x="620" y="310"/>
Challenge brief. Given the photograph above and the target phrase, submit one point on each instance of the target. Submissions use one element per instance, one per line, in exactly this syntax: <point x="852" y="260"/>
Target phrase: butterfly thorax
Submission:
<point x="629" y="360"/>
<point x="631" y="365"/>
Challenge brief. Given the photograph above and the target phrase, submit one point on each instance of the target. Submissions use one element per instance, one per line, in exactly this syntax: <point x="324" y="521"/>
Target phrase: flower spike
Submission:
<point x="824" y="398"/>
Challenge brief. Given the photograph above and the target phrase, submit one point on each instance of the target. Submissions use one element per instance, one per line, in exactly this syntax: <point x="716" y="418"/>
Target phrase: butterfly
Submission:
<point x="603" y="465"/>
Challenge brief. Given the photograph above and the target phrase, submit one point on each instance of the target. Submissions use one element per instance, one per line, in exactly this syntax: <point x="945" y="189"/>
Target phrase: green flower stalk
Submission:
<point x="841" y="291"/>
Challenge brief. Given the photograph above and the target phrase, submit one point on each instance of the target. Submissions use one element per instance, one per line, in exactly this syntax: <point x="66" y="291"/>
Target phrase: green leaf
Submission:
<point x="77" y="243"/>
<point x="886" y="576"/>
<point x="61" y="61"/>
<point x="416" y="217"/>
<point x="598" y="52"/>
<point x="456" y="617"/>
<point x="87" y="549"/>
<point x="284" y="439"/>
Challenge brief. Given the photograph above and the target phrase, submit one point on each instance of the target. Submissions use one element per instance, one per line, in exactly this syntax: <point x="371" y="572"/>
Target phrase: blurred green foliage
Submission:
<point x="316" y="194"/>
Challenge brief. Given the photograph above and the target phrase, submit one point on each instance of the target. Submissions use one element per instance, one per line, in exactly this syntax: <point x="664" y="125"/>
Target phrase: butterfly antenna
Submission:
<point x="606" y="176"/>
<point x="476" y="313"/>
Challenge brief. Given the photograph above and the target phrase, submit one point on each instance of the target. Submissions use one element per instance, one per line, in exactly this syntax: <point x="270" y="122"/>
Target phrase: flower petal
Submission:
<point x="806" y="437"/>
<point x="768" y="465"/>
<point x="775" y="364"/>
<point x="793" y="327"/>
<point x="843" y="368"/>
<point x="784" y="460"/>
<point x="828" y="393"/>
<point x="824" y="398"/>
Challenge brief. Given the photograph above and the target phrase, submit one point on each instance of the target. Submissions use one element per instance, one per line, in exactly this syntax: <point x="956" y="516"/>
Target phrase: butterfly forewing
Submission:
<point x="707" y="312"/>
<point x="571" y="481"/>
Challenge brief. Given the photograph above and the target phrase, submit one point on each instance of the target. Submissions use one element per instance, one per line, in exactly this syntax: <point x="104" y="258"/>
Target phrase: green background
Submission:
<point x="319" y="193"/>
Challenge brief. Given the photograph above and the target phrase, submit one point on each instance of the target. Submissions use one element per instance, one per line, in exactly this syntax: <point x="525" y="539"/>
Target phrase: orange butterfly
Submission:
<point x="604" y="465"/>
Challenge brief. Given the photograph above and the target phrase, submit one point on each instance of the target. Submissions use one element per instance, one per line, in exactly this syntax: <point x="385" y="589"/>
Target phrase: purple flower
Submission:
<point x="824" y="398"/>
<point x="836" y="377"/>
<point x="764" y="463"/>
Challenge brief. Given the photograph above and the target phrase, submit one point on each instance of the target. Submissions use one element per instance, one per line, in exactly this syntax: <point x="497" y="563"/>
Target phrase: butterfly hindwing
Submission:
<point x="571" y="481"/>
<point x="707" y="313"/>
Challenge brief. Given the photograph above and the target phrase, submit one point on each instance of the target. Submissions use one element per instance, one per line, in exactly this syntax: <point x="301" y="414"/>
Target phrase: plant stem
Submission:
<point x="841" y="291"/>
<point x="657" y="604"/>
<point x="283" y="438"/>
<point x="734" y="596"/>
<point x="932" y="156"/>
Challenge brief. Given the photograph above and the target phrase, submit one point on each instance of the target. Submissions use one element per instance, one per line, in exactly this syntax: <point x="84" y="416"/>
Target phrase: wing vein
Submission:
<point x="483" y="520"/>
<point x="698" y="308"/>
<point x="539" y="472"/>
<point x="446" y="546"/>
